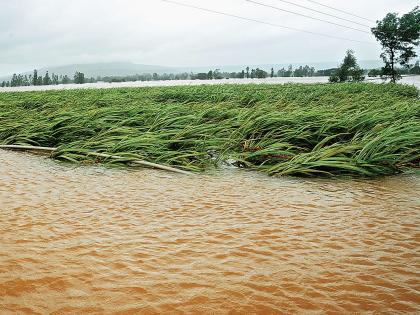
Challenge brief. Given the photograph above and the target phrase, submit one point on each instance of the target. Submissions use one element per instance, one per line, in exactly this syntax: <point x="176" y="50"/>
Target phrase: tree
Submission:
<point x="281" y="72"/>
<point x="272" y="73"/>
<point x="35" y="78"/>
<point x="299" y="72"/>
<point x="374" y="72"/>
<point x="247" y="72"/>
<point x="201" y="76"/>
<point x="47" y="79"/>
<point x="21" y="80"/>
<point x="26" y="80"/>
<point x="65" y="79"/>
<point x="349" y="70"/>
<point x="54" y="79"/>
<point x="260" y="74"/>
<point x="79" y="77"/>
<point x="398" y="36"/>
<point x="14" y="81"/>
<point x="289" y="71"/>
<point x="252" y="73"/>
<point x="416" y="68"/>
<point x="217" y="75"/>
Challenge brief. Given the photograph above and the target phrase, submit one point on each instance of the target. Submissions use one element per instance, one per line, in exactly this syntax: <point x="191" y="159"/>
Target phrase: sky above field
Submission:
<point x="41" y="33"/>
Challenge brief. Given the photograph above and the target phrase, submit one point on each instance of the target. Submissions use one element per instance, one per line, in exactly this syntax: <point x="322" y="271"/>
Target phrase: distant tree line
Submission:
<point x="302" y="71"/>
<point x="37" y="79"/>
<point x="247" y="73"/>
<point x="413" y="70"/>
<point x="257" y="73"/>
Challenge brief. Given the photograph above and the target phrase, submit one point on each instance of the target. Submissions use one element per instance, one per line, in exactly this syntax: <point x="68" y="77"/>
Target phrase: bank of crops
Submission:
<point x="302" y="130"/>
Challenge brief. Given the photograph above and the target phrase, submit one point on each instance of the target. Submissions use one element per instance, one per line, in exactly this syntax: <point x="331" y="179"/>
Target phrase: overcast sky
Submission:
<point x="39" y="33"/>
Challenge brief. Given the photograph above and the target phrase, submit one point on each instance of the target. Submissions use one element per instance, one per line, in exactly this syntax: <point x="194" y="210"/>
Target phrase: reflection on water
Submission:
<point x="91" y="240"/>
<point x="411" y="80"/>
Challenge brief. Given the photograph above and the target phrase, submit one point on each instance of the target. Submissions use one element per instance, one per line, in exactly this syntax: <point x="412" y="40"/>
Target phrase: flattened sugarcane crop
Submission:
<point x="293" y="129"/>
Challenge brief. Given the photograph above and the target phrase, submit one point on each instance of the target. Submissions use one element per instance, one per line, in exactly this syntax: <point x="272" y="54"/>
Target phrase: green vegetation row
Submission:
<point x="294" y="129"/>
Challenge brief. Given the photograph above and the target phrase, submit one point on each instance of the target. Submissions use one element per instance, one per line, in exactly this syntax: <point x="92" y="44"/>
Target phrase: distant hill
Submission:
<point x="127" y="68"/>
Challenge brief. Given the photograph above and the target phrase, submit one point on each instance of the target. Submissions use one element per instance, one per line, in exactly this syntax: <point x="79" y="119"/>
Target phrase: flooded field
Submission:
<point x="412" y="80"/>
<point x="91" y="240"/>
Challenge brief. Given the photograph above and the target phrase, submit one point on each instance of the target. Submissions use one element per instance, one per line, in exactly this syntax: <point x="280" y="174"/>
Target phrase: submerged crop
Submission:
<point x="294" y="129"/>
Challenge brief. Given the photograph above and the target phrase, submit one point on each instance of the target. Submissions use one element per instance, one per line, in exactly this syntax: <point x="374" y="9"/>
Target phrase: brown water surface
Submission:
<point x="90" y="240"/>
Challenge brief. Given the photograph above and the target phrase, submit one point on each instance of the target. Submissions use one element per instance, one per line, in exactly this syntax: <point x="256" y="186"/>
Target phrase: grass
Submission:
<point x="294" y="129"/>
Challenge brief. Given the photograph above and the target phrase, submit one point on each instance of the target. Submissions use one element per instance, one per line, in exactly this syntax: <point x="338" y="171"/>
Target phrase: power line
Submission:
<point x="306" y="16"/>
<point x="339" y="10"/>
<point x="324" y="13"/>
<point x="263" y="22"/>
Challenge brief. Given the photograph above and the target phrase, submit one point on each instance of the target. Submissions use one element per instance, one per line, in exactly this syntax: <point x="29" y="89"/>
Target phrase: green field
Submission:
<point x="304" y="130"/>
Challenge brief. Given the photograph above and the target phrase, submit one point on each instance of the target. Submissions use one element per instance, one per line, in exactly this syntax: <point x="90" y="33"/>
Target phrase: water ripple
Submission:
<point x="91" y="240"/>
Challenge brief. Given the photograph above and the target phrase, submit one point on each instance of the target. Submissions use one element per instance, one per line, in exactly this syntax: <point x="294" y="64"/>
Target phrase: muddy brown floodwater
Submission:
<point x="91" y="240"/>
